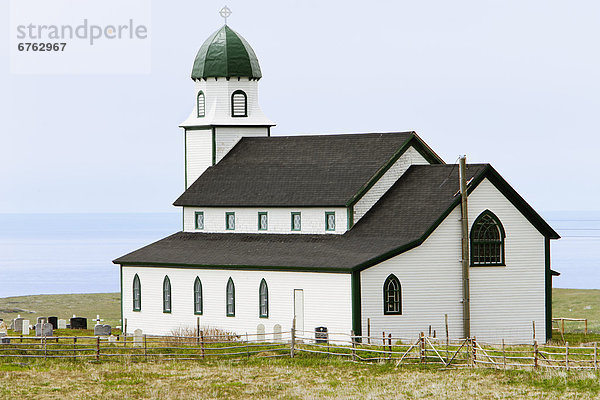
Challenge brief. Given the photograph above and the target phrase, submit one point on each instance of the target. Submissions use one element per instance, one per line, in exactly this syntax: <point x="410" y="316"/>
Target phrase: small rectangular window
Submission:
<point x="199" y="219"/>
<point x="296" y="221"/>
<point x="330" y="221"/>
<point x="263" y="222"/>
<point x="230" y="221"/>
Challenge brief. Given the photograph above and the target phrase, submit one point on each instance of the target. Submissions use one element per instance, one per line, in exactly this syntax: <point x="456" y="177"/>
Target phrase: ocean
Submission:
<point x="73" y="253"/>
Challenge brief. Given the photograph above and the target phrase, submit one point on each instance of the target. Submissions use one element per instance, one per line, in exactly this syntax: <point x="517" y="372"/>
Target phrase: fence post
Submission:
<point x="353" y="346"/>
<point x="74" y="348"/>
<point x="197" y="330"/>
<point x="474" y="349"/>
<point x="202" y="343"/>
<point x="533" y="322"/>
<point x="422" y="347"/>
<point x="503" y="354"/>
<point x="97" y="348"/>
<point x="125" y="333"/>
<point x="293" y="341"/>
<point x="369" y="330"/>
<point x="567" y="355"/>
<point x="447" y="338"/>
<point x="145" y="348"/>
<point x="247" y="349"/>
<point x="45" y="348"/>
<point x="535" y="353"/>
<point x="596" y="356"/>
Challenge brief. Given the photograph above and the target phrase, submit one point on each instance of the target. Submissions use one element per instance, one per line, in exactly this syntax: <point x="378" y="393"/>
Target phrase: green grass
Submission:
<point x="577" y="303"/>
<point x="107" y="305"/>
<point x="306" y="378"/>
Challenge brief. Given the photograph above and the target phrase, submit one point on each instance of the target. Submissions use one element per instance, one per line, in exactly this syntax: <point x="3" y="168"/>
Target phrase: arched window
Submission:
<point x="487" y="240"/>
<point x="137" y="293"/>
<point x="239" y="104"/>
<point x="166" y="295"/>
<point x="392" y="296"/>
<point x="230" y="298"/>
<point x="263" y="299"/>
<point x="201" y="104"/>
<point x="197" y="296"/>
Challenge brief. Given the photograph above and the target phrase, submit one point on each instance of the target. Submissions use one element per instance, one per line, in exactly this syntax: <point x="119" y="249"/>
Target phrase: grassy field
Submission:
<point x="107" y="305"/>
<point x="300" y="378"/>
<point x="577" y="303"/>
<point x="285" y="379"/>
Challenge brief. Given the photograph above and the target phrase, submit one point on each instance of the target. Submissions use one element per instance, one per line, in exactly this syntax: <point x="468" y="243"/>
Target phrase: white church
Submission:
<point x="353" y="232"/>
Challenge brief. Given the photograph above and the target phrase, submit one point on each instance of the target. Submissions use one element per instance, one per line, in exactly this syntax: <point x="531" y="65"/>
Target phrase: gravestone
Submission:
<point x="41" y="320"/>
<point x="25" y="327"/>
<point x="43" y="329"/>
<point x="4" y="340"/>
<point x="62" y="324"/>
<point x="260" y="333"/>
<point x="102" y="330"/>
<point x="3" y="328"/>
<point x="277" y="332"/>
<point x="18" y="324"/>
<point x="54" y="322"/>
<point x="137" y="338"/>
<point x="78" y="323"/>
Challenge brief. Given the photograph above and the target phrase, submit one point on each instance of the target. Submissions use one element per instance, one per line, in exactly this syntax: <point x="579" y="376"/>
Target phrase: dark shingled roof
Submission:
<point x="400" y="220"/>
<point x="317" y="170"/>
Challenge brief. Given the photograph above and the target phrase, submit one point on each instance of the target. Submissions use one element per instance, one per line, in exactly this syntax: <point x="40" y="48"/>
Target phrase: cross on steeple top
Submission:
<point x="225" y="13"/>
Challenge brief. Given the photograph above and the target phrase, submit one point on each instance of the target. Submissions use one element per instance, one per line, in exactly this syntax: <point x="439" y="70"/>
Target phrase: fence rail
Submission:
<point x="419" y="350"/>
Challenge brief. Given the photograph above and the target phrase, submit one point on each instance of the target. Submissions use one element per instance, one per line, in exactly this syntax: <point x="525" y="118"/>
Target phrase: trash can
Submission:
<point x="321" y="335"/>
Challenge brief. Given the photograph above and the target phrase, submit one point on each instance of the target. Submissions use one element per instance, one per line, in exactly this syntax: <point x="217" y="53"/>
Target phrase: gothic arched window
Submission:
<point x="263" y="299"/>
<point x="166" y="295"/>
<point x="197" y="296"/>
<point x="392" y="296"/>
<point x="137" y="293"/>
<point x="487" y="240"/>
<point x="230" y="298"/>
<point x="239" y="104"/>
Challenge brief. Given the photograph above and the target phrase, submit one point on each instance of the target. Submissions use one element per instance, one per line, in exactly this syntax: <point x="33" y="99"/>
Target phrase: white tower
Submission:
<point x="226" y="74"/>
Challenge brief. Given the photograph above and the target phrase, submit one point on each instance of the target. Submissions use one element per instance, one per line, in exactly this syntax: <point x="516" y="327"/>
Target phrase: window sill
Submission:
<point x="263" y="316"/>
<point x="197" y="313"/>
<point x="166" y="312"/>
<point x="137" y="310"/>
<point x="487" y="265"/>
<point x="230" y="315"/>
<point x="392" y="313"/>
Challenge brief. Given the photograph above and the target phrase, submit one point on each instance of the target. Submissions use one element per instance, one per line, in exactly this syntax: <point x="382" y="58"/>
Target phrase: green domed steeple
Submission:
<point x="225" y="54"/>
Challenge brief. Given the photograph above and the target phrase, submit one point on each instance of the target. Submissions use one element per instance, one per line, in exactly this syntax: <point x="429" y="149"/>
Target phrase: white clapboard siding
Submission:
<point x="504" y="300"/>
<point x="327" y="300"/>
<point x="227" y="137"/>
<point x="198" y="153"/>
<point x="279" y="219"/>
<point x="410" y="157"/>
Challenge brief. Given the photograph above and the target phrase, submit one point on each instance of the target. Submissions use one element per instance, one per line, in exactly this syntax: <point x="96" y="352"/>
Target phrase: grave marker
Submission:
<point x="137" y="338"/>
<point x="25" y="327"/>
<point x="102" y="330"/>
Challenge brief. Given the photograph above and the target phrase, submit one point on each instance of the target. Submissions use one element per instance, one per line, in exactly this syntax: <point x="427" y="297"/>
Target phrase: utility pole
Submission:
<point x="465" y="246"/>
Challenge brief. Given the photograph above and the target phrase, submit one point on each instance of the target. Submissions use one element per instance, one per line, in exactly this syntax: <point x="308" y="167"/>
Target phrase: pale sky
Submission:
<point x="512" y="83"/>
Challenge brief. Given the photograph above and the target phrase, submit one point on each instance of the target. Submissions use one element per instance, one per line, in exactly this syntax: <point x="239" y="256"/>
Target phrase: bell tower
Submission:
<point x="225" y="74"/>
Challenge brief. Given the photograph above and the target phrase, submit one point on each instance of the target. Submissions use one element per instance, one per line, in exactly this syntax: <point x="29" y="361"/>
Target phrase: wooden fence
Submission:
<point x="386" y="348"/>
